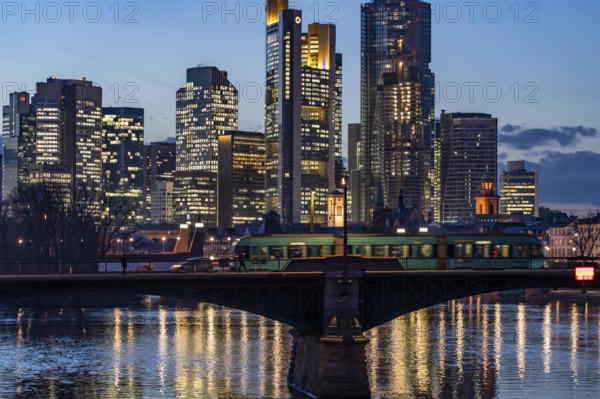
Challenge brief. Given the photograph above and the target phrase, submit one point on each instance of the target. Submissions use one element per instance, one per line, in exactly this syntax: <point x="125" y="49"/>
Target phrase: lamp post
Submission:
<point x="21" y="250"/>
<point x="345" y="276"/>
<point x="163" y="241"/>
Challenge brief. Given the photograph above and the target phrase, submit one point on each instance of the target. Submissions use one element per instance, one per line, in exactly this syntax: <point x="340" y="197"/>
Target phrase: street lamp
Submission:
<point x="21" y="250"/>
<point x="163" y="240"/>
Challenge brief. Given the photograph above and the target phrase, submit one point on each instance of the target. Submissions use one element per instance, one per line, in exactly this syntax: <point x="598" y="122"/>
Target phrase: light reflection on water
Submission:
<point x="463" y="349"/>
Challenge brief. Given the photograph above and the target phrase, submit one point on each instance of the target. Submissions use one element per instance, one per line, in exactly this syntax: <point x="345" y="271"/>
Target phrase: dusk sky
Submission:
<point x="544" y="59"/>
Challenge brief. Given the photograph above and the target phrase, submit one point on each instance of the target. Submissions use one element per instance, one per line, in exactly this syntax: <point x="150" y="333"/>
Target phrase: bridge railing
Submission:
<point x="279" y="265"/>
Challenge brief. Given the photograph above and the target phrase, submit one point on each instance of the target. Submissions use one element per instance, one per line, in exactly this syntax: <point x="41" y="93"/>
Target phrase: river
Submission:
<point x="478" y="348"/>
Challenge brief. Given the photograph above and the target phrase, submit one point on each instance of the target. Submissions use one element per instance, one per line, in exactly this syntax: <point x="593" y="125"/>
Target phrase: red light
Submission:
<point x="585" y="273"/>
<point x="22" y="99"/>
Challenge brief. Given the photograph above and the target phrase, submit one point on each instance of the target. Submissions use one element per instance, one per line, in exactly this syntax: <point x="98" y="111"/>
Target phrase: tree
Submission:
<point x="586" y="236"/>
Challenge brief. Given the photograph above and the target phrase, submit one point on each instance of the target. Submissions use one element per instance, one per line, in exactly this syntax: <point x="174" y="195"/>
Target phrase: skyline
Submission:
<point x="150" y="66"/>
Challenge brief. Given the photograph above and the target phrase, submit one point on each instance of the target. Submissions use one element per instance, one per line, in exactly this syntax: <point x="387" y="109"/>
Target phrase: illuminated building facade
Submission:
<point x="162" y="202"/>
<point x="160" y="168"/>
<point x="487" y="202"/>
<point x="58" y="176"/>
<point x="353" y="171"/>
<point x="303" y="118"/>
<point x="18" y="127"/>
<point x="320" y="124"/>
<point x="207" y="107"/>
<point x="69" y="127"/>
<point x="397" y="104"/>
<point x="195" y="194"/>
<point x="283" y="135"/>
<point x="469" y="151"/>
<point x="335" y="209"/>
<point x="519" y="190"/>
<point x="122" y="155"/>
<point x="435" y="174"/>
<point x="241" y="181"/>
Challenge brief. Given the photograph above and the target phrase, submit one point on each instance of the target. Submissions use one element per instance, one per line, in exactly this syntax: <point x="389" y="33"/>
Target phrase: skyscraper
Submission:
<point x="519" y="189"/>
<point x="397" y="104"/>
<point x="353" y="158"/>
<point x="469" y="153"/>
<point x="18" y="126"/>
<point x="303" y="115"/>
<point x="69" y="127"/>
<point x="160" y="169"/>
<point x="241" y="178"/>
<point x="123" y="155"/>
<point x="283" y="111"/>
<point x="207" y="106"/>
<point x="321" y="165"/>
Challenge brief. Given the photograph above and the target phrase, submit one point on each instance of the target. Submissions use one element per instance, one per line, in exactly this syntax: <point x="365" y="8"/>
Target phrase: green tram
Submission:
<point x="414" y="252"/>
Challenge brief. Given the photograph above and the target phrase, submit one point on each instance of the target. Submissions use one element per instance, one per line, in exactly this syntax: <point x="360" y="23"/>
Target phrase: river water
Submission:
<point x="477" y="348"/>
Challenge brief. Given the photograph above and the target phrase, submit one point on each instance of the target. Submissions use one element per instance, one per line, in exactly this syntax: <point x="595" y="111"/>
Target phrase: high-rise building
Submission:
<point x="283" y="110"/>
<point x="469" y="152"/>
<point x="303" y="118"/>
<point x="519" y="189"/>
<point x="435" y="174"/>
<point x="160" y="168"/>
<point x="162" y="202"/>
<point x="123" y="155"/>
<point x="241" y="178"/>
<point x="207" y="106"/>
<point x="321" y="163"/>
<point x="353" y="171"/>
<point x="397" y="104"/>
<point x="68" y="117"/>
<point x="18" y="127"/>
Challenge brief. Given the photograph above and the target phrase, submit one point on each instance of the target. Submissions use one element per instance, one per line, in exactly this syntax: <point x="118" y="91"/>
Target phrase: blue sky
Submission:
<point x="535" y="69"/>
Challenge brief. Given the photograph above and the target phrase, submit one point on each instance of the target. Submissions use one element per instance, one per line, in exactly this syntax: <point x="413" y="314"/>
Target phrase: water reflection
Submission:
<point x="547" y="338"/>
<point x="574" y="340"/>
<point x="521" y="339"/>
<point x="463" y="349"/>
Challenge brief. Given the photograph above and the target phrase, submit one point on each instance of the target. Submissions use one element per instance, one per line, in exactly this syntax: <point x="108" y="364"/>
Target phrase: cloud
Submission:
<point x="510" y="128"/>
<point x="565" y="136"/>
<point x="570" y="178"/>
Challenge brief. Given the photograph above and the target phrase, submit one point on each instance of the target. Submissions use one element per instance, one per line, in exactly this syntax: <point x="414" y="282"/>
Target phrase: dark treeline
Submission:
<point x="46" y="221"/>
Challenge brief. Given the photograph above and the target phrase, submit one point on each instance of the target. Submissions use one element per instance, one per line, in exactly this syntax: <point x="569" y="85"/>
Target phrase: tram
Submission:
<point x="412" y="251"/>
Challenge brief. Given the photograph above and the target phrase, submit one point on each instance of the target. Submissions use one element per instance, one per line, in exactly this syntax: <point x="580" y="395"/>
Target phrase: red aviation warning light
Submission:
<point x="585" y="273"/>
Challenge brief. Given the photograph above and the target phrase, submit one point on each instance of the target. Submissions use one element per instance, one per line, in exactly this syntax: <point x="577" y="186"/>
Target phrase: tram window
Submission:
<point x="520" y="251"/>
<point x="463" y="251"/>
<point x="399" y="251"/>
<point x="277" y="252"/>
<point x="380" y="250"/>
<point x="296" y="251"/>
<point x="536" y="251"/>
<point x="501" y="251"/>
<point x="313" y="251"/>
<point x="482" y="251"/>
<point x="366" y="250"/>
<point x="263" y="252"/>
<point x="356" y="250"/>
<point x="325" y="250"/>
<point x="427" y="251"/>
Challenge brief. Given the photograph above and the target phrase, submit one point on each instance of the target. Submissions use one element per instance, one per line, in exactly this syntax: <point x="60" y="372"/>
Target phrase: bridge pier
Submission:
<point x="333" y="364"/>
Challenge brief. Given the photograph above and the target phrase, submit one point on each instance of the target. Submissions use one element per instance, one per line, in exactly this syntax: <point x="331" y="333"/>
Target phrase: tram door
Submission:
<point x="442" y="253"/>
